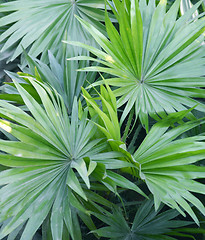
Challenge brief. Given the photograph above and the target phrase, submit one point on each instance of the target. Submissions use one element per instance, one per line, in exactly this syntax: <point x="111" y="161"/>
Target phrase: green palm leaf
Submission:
<point x="147" y="224"/>
<point x="42" y="25"/>
<point x="54" y="162"/>
<point x="186" y="5"/>
<point x="50" y="150"/>
<point x="167" y="166"/>
<point x="58" y="74"/>
<point x="158" y="68"/>
<point x="163" y="161"/>
<point x="62" y="75"/>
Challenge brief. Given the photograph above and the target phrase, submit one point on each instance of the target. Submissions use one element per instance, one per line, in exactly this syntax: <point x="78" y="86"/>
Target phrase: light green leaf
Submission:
<point x="153" y="56"/>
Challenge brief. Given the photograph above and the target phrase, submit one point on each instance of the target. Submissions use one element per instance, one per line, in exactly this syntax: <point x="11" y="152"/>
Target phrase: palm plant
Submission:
<point x="4" y="56"/>
<point x="69" y="165"/>
<point x="157" y="67"/>
<point x="45" y="156"/>
<point x="145" y="225"/>
<point x="162" y="160"/>
<point x="50" y="152"/>
<point x="50" y="21"/>
<point x="50" y="146"/>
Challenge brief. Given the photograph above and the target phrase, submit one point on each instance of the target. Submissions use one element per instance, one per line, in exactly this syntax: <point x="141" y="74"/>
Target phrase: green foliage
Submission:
<point x="145" y="225"/>
<point x="80" y="157"/>
<point x="162" y="160"/>
<point x="42" y="25"/>
<point x="166" y="165"/>
<point x="51" y="153"/>
<point x="156" y="60"/>
<point x="49" y="147"/>
<point x="62" y="75"/>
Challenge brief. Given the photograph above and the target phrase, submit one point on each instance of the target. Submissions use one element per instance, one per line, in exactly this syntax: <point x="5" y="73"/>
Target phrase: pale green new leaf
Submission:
<point x="109" y="125"/>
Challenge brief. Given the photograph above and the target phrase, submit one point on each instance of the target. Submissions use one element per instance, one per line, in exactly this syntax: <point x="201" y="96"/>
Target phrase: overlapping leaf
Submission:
<point x="42" y="25"/>
<point x="167" y="165"/>
<point x="148" y="224"/>
<point x="49" y="147"/>
<point x="4" y="56"/>
<point x="62" y="75"/>
<point x="156" y="59"/>
<point x="51" y="161"/>
<point x="163" y="161"/>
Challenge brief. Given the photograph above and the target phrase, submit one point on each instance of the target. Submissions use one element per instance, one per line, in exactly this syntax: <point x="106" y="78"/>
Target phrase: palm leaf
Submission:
<point x="45" y="159"/>
<point x="40" y="26"/>
<point x="167" y="166"/>
<point x="163" y="161"/>
<point x="147" y="224"/>
<point x="62" y="75"/>
<point x="186" y="5"/>
<point x="51" y="163"/>
<point x="158" y="68"/>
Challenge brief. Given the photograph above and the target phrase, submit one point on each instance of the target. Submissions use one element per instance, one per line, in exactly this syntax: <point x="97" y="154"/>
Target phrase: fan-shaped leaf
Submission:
<point x="43" y="25"/>
<point x="160" y="68"/>
<point x="47" y="152"/>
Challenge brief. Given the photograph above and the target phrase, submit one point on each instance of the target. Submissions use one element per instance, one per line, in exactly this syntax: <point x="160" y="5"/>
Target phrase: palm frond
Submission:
<point x="53" y="163"/>
<point x="147" y="224"/>
<point x="62" y="75"/>
<point x="168" y="165"/>
<point x="50" y="151"/>
<point x="41" y="26"/>
<point x="165" y="162"/>
<point x="156" y="59"/>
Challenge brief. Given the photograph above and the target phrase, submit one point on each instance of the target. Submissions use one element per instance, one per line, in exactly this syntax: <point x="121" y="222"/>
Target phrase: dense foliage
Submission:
<point x="103" y="127"/>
